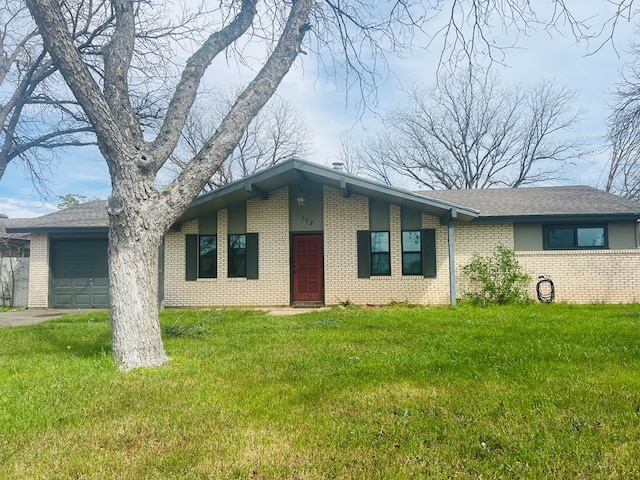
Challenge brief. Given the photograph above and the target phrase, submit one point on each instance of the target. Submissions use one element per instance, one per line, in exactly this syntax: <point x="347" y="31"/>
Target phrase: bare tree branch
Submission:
<point x="278" y="132"/>
<point x="186" y="90"/>
<point x="474" y="133"/>
<point x="623" y="176"/>
<point x="37" y="113"/>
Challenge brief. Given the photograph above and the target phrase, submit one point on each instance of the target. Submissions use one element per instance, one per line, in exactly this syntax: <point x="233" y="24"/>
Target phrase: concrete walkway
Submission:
<point x="33" y="316"/>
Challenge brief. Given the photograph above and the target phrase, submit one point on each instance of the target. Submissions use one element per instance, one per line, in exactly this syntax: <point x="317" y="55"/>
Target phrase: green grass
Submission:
<point x="535" y="391"/>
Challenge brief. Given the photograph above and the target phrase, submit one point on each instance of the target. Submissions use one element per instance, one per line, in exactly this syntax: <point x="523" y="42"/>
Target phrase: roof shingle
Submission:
<point x="492" y="203"/>
<point x="89" y="215"/>
<point x="539" y="201"/>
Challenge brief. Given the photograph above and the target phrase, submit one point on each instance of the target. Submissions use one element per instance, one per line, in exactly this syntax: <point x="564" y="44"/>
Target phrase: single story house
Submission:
<point x="299" y="233"/>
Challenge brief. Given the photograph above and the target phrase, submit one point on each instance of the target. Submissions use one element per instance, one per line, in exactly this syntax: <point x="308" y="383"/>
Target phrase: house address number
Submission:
<point x="307" y="220"/>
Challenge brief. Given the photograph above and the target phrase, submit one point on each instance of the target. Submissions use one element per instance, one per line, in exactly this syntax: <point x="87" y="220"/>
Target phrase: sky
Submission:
<point x="328" y="114"/>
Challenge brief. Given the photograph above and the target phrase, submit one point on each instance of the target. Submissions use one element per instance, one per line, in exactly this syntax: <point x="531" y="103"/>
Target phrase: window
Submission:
<point x="380" y="255"/>
<point x="208" y="256"/>
<point x="411" y="252"/>
<point x="201" y="256"/>
<point x="418" y="253"/>
<point x="238" y="255"/>
<point x="568" y="237"/>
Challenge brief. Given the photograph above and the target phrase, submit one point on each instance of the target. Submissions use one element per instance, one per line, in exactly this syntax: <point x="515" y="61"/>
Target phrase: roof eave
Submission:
<point x="294" y="171"/>
<point x="557" y="218"/>
<point x="59" y="229"/>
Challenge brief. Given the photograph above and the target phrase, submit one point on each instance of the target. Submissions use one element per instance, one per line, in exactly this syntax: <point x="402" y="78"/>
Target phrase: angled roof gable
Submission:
<point x="293" y="171"/>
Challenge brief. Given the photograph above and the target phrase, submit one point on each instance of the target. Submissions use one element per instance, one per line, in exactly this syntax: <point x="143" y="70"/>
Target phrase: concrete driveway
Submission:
<point x="33" y="316"/>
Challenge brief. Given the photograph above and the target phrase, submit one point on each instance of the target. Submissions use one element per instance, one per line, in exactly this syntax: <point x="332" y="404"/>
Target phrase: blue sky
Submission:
<point x="322" y="102"/>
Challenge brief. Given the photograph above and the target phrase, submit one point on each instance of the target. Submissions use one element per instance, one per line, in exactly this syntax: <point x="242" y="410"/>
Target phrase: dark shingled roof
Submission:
<point x="5" y="222"/>
<point x="540" y="202"/>
<point x="507" y="204"/>
<point x="89" y="216"/>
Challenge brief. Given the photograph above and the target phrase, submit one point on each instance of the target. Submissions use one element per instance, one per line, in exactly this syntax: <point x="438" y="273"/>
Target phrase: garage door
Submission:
<point x="80" y="273"/>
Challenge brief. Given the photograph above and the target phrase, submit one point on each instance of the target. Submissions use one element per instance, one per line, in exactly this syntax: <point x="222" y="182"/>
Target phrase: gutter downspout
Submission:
<point x="452" y="260"/>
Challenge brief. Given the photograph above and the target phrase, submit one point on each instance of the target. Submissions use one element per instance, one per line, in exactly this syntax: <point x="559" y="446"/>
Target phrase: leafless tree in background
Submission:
<point x="278" y="132"/>
<point x="347" y="154"/>
<point x="37" y="112"/>
<point x="471" y="132"/>
<point x="623" y="177"/>
<point x="39" y="115"/>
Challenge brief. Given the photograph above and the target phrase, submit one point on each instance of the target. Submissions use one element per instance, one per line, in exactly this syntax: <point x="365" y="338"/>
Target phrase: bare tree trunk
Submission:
<point x="12" y="279"/>
<point x="133" y="276"/>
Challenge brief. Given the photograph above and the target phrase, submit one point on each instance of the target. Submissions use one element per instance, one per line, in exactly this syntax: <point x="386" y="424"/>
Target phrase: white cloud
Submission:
<point x="19" y="208"/>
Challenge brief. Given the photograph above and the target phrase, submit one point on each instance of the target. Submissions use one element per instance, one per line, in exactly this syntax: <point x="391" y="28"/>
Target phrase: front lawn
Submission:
<point x="540" y="391"/>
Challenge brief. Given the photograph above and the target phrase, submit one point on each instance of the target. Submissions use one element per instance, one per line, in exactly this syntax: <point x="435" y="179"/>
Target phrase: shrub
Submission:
<point x="500" y="278"/>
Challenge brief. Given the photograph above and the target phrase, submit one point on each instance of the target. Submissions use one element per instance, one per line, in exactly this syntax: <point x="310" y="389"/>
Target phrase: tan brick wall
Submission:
<point x="481" y="239"/>
<point x="343" y="217"/>
<point x="580" y="276"/>
<point x="270" y="219"/>
<point x="39" y="271"/>
<point x="587" y="276"/>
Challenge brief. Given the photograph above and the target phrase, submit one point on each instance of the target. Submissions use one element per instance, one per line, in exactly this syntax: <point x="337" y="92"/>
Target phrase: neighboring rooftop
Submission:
<point x="4" y="222"/>
<point x="514" y="203"/>
<point x="89" y="216"/>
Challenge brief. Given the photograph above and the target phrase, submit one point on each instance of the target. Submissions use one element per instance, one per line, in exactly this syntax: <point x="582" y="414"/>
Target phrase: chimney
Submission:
<point x="338" y="166"/>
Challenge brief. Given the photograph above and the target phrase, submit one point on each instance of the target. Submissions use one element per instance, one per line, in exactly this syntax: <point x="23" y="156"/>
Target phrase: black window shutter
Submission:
<point x="364" y="254"/>
<point x="191" y="257"/>
<point x="429" y="252"/>
<point x="252" y="256"/>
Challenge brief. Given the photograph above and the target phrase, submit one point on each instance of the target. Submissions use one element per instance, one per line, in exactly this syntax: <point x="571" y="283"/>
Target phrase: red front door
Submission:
<point x="308" y="273"/>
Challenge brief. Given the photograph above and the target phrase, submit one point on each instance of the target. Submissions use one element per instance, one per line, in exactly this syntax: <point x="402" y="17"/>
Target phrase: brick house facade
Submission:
<point x="301" y="233"/>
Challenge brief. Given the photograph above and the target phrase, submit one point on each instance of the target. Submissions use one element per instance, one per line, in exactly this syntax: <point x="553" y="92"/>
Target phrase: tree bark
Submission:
<point x="133" y="277"/>
<point x="139" y="214"/>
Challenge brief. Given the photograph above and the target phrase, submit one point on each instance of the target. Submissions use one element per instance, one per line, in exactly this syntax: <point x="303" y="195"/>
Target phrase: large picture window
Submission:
<point x="207" y="256"/>
<point x="572" y="237"/>
<point x="411" y="252"/>
<point x="238" y="255"/>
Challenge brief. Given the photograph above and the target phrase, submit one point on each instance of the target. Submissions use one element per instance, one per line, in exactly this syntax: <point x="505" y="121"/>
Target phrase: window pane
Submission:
<point x="561" y="238"/>
<point x="207" y="244"/>
<point x="207" y="267"/>
<point x="411" y="241"/>
<point x="411" y="264"/>
<point x="380" y="264"/>
<point x="237" y="242"/>
<point x="237" y="255"/>
<point x="380" y="242"/>
<point x="591" y="237"/>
